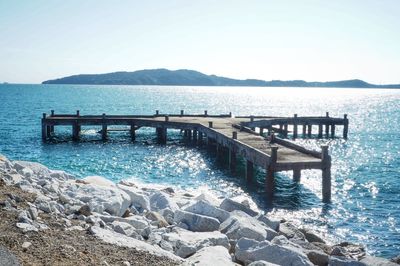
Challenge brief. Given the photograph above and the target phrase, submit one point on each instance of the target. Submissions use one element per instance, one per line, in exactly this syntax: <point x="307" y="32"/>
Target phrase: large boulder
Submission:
<point x="138" y="199"/>
<point x="343" y="261"/>
<point x="248" y="250"/>
<point x="137" y="221"/>
<point x="99" y="181"/>
<point x="216" y="255"/>
<point x="204" y="208"/>
<point x="375" y="261"/>
<point x="270" y="222"/>
<point x="100" y="197"/>
<point x="186" y="243"/>
<point x="231" y="205"/>
<point x="290" y="231"/>
<point x="240" y="224"/>
<point x="262" y="263"/>
<point x="311" y="236"/>
<point x="196" y="222"/>
<point x="160" y="200"/>
<point x="124" y="241"/>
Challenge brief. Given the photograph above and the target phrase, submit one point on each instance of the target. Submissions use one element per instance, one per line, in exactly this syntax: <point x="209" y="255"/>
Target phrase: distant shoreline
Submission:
<point x="165" y="77"/>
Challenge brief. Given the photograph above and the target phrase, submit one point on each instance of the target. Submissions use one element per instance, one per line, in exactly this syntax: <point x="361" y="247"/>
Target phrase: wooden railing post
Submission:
<point x="210" y="124"/>
<point x="205" y="113"/>
<point x="295" y="126"/>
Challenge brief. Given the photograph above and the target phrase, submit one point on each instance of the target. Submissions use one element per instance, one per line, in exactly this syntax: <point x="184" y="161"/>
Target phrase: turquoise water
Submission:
<point x="366" y="168"/>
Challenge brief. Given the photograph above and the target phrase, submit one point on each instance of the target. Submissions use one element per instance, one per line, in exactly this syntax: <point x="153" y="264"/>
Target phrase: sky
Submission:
<point x="286" y="39"/>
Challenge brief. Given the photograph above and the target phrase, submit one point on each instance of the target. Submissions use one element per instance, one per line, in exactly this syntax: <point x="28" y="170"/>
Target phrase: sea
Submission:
<point x="365" y="205"/>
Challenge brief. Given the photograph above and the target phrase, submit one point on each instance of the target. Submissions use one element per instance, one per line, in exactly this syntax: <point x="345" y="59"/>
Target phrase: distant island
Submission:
<point x="186" y="77"/>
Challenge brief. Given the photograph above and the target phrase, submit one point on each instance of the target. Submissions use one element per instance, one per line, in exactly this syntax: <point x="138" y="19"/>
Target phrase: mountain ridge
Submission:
<point x="186" y="77"/>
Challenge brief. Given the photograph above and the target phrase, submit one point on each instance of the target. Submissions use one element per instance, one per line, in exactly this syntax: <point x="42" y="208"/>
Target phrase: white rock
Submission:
<point x="291" y="231"/>
<point x="270" y="222"/>
<point x="216" y="255"/>
<point x="26" y="245"/>
<point x="36" y="169"/>
<point x="196" y="222"/>
<point x="124" y="241"/>
<point x="160" y="200"/>
<point x="186" y="242"/>
<point x="230" y="205"/>
<point x="99" y="181"/>
<point x="138" y="199"/>
<point x="375" y="261"/>
<point x="101" y="198"/>
<point x="343" y="261"/>
<point x="240" y="224"/>
<point x="262" y="263"/>
<point x="204" y="208"/>
<point x="27" y="227"/>
<point x="136" y="221"/>
<point x="209" y="197"/>
<point x="123" y="228"/>
<point x="247" y="251"/>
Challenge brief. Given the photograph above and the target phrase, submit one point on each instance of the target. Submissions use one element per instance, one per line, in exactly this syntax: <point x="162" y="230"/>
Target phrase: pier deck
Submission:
<point x="238" y="136"/>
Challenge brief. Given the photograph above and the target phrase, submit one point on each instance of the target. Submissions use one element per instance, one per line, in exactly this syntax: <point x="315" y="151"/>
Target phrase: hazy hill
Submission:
<point x="185" y="77"/>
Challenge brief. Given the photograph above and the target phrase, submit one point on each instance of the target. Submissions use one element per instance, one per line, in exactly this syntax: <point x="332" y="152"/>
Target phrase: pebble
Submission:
<point x="26" y="245"/>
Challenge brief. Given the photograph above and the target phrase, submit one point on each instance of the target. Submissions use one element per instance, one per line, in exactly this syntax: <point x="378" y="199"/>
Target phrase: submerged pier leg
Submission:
<point x="345" y="127"/>
<point x="133" y="132"/>
<point x="326" y="174"/>
<point x="270" y="178"/>
<point x="285" y="128"/>
<point x="261" y="131"/>
<point x="200" y="138"/>
<point x="44" y="131"/>
<point x="232" y="160"/>
<point x="320" y="131"/>
<point x="75" y="131"/>
<point x="332" y="130"/>
<point x="104" y="128"/>
<point x="249" y="171"/>
<point x="295" y="126"/>
<point x="161" y="135"/>
<point x="296" y="175"/>
<point x="48" y="131"/>
<point x="309" y="130"/>
<point x="304" y="130"/>
<point x="327" y="130"/>
<point x="195" y="136"/>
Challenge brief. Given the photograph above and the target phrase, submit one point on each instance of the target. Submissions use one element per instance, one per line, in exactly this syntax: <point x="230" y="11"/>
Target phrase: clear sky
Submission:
<point x="299" y="39"/>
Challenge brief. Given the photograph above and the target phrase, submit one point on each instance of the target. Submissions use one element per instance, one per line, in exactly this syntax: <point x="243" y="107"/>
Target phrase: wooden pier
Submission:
<point x="254" y="138"/>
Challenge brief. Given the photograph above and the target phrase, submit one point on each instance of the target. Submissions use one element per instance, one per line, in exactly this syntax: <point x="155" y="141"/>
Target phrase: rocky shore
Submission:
<point x="140" y="224"/>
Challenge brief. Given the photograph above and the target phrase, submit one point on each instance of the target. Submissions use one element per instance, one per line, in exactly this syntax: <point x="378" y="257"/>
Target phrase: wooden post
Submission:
<point x="320" y="130"/>
<point x="332" y="130"/>
<point x="185" y="134"/>
<point x="210" y="124"/>
<point x="52" y="113"/>
<point x="232" y="160"/>
<point x="327" y="114"/>
<point x="296" y="174"/>
<point x="249" y="171"/>
<point x="182" y="111"/>
<point x="205" y="113"/>
<point x="269" y="130"/>
<point x="304" y="130"/>
<point x="280" y="127"/>
<point x="75" y="131"/>
<point x="285" y="128"/>
<point x="44" y="131"/>
<point x="48" y="131"/>
<point x="218" y="150"/>
<point x="166" y="118"/>
<point x="51" y="126"/>
<point x="77" y="113"/>
<point x="189" y="135"/>
<point x="78" y="125"/>
<point x="200" y="138"/>
<point x="270" y="179"/>
<point x="327" y="130"/>
<point x="261" y="131"/>
<point x="309" y="131"/>
<point x="295" y="126"/>
<point x="345" y="127"/>
<point x="252" y="120"/>
<point x="326" y="174"/>
<point x="195" y="135"/>
<point x="133" y="132"/>
<point x="230" y="114"/>
<point x="104" y="128"/>
<point x="157" y="112"/>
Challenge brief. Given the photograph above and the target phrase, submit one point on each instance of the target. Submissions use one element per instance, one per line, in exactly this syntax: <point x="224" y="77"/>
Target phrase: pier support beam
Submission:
<point x="161" y="135"/>
<point x="249" y="171"/>
<point x="44" y="131"/>
<point x="304" y="130"/>
<point x="332" y="130"/>
<point x="345" y="127"/>
<point x="104" y="128"/>
<point x="200" y="138"/>
<point x="232" y="160"/>
<point x="75" y="131"/>
<point x="326" y="174"/>
<point x="295" y="126"/>
<point x="195" y="136"/>
<point x="133" y="132"/>
<point x="327" y="130"/>
<point x="261" y="131"/>
<point x="309" y="130"/>
<point x="270" y="178"/>
<point x="320" y="131"/>
<point x="296" y="175"/>
<point x="285" y="128"/>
